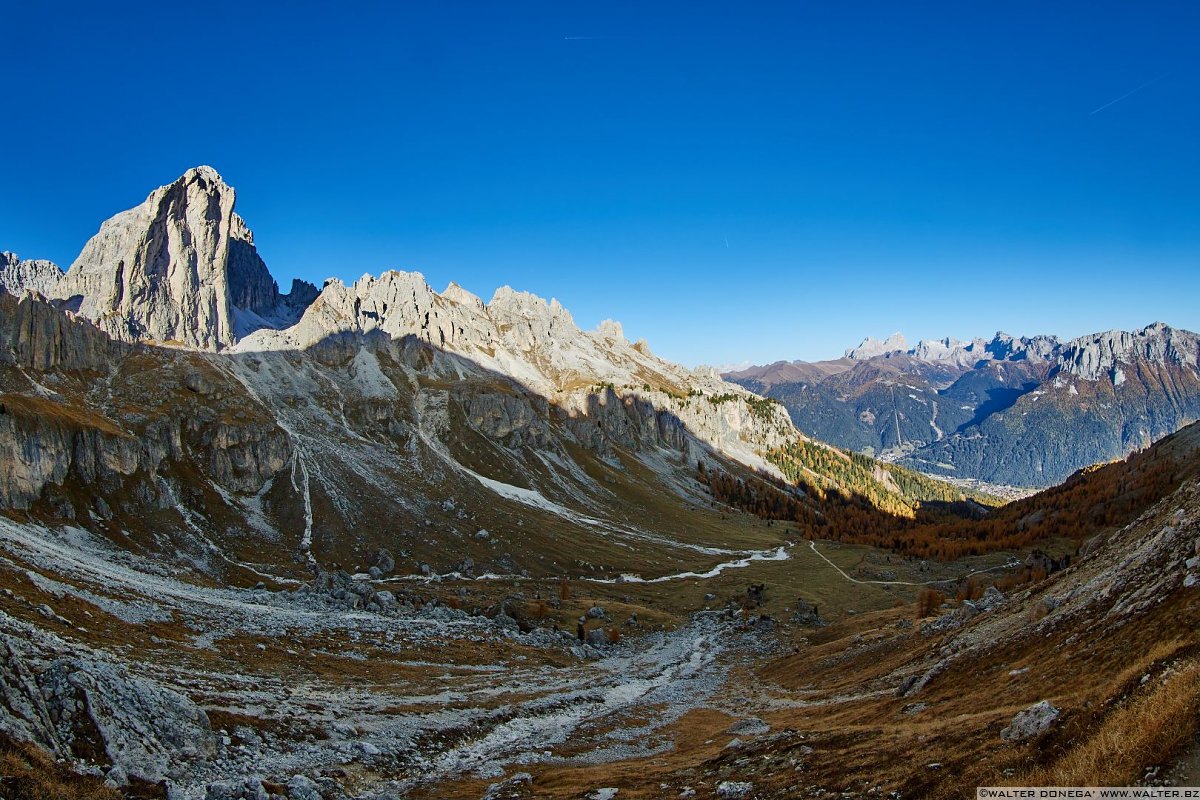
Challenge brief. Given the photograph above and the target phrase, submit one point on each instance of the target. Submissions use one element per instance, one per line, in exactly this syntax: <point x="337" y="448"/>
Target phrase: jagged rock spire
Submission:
<point x="180" y="267"/>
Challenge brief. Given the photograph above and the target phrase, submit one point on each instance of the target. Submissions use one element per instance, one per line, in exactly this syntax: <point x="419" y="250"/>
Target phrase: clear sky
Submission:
<point x="733" y="181"/>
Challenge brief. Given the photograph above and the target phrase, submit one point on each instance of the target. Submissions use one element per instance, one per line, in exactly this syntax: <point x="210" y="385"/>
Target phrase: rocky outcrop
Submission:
<point x="1030" y="723"/>
<point x="42" y="443"/>
<point x="180" y="268"/>
<point x="96" y="712"/>
<point x="240" y="457"/>
<point x="38" y="337"/>
<point x="48" y="438"/>
<point x="18" y="277"/>
<point x="510" y="419"/>
<point x="46" y="443"/>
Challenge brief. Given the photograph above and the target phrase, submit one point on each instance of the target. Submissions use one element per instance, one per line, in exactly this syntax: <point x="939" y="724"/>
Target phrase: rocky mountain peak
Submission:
<point x="181" y="267"/>
<point x="457" y="294"/>
<point x="950" y="351"/>
<point x="524" y="338"/>
<point x="204" y="172"/>
<point x="1001" y="347"/>
<point x="18" y="277"/>
<point x="511" y="306"/>
<point x="1033" y="348"/>
<point x="1100" y="354"/>
<point x="871" y="347"/>
<point x="947" y="350"/>
<point x="611" y="329"/>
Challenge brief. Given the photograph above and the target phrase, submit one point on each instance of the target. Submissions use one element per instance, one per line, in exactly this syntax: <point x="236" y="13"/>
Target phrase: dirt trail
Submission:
<point x="842" y="572"/>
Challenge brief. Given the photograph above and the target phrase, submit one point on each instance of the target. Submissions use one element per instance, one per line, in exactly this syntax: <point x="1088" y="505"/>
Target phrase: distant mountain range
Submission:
<point x="1005" y="410"/>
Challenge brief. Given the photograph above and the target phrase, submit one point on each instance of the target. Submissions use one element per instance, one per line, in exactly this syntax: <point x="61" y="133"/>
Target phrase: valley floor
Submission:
<point x="693" y="685"/>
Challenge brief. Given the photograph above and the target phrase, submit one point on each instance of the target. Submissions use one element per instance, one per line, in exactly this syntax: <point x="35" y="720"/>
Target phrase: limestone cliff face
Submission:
<point x="18" y="277"/>
<point x="1103" y="354"/>
<point x="38" y="337"/>
<point x="180" y="268"/>
<point x="58" y="437"/>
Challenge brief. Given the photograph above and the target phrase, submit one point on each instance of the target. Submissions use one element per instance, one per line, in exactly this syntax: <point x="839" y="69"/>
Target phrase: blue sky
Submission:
<point x="732" y="181"/>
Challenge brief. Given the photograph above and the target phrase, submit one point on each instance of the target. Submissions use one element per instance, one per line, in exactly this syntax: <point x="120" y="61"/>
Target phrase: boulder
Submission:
<point x="751" y="726"/>
<point x="1030" y="723"/>
<point x="597" y="637"/>
<point x="806" y="615"/>
<point x="952" y="621"/>
<point x="383" y="560"/>
<point x="385" y="600"/>
<point x="513" y="787"/>
<point x="992" y="599"/>
<point x="301" y="787"/>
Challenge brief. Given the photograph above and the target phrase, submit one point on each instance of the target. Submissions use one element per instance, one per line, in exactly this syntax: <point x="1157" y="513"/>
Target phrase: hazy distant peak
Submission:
<point x="871" y="347"/>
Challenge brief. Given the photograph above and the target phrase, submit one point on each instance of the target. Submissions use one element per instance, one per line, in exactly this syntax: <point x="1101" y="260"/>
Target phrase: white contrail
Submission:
<point x="1127" y="94"/>
<point x="578" y="38"/>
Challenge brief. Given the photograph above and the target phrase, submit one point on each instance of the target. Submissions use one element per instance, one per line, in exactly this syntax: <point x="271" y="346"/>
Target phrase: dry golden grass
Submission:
<point x="1146" y="729"/>
<point x="54" y="413"/>
<point x="29" y="773"/>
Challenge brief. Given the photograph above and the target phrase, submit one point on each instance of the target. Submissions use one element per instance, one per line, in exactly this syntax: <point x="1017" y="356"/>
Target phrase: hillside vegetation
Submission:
<point x="890" y="507"/>
<point x="887" y="487"/>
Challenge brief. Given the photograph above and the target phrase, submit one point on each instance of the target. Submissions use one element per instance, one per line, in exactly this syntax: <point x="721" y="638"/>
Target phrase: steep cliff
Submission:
<point x="84" y="417"/>
<point x="179" y="268"/>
